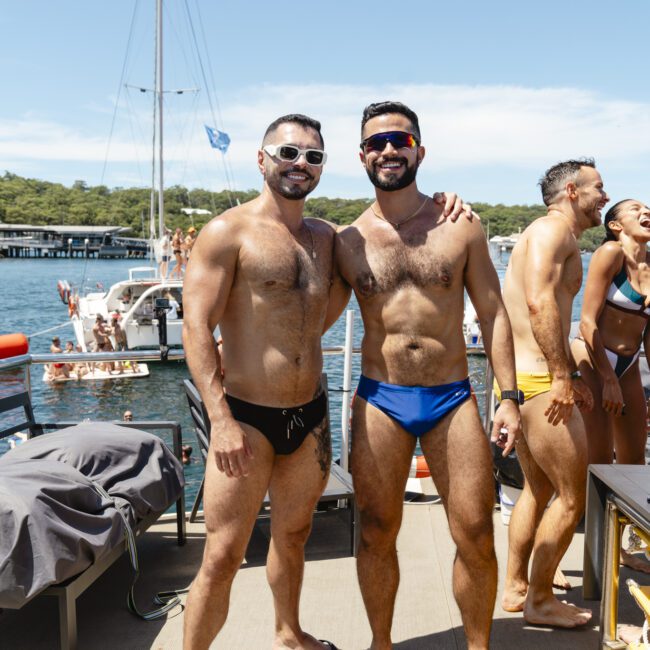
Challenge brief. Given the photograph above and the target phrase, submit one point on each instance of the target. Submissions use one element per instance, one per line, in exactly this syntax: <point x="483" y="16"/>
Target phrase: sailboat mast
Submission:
<point x="159" y="95"/>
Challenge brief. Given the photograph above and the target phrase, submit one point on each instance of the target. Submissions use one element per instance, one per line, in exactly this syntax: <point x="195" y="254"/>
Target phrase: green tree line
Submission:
<point x="38" y="202"/>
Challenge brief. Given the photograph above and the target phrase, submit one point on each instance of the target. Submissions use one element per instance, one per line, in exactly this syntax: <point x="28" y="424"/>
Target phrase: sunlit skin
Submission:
<point x="544" y="275"/>
<point x="617" y="423"/>
<point x="409" y="267"/>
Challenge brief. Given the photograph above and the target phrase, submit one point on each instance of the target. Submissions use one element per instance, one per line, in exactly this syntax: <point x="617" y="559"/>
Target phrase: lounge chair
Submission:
<point x="61" y="495"/>
<point x="339" y="485"/>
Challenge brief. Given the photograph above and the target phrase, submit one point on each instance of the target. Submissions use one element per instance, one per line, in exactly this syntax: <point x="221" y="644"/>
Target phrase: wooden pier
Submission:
<point x="26" y="240"/>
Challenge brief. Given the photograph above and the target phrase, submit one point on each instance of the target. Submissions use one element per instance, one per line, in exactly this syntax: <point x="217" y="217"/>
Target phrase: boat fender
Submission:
<point x="13" y="345"/>
<point x="419" y="468"/>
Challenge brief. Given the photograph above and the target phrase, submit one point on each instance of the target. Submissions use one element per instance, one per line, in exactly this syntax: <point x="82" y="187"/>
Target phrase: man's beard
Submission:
<point x="393" y="182"/>
<point x="288" y="189"/>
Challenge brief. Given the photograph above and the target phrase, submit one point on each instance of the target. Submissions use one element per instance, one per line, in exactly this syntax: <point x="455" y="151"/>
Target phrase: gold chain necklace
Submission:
<point x="398" y="224"/>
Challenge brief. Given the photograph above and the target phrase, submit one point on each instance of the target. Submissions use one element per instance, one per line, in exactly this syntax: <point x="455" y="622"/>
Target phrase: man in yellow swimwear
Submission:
<point x="543" y="277"/>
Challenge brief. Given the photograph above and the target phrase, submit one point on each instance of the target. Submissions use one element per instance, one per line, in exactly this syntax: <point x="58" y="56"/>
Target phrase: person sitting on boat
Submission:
<point x="613" y="326"/>
<point x="57" y="369"/>
<point x="126" y="299"/>
<point x="177" y="250"/>
<point x="69" y="349"/>
<point x="81" y="367"/>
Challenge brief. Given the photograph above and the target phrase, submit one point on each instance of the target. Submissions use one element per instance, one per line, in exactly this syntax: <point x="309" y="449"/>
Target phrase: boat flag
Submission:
<point x="218" y="139"/>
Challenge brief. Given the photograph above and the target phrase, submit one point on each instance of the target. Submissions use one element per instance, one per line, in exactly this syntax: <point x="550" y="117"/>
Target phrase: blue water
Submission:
<point x="31" y="304"/>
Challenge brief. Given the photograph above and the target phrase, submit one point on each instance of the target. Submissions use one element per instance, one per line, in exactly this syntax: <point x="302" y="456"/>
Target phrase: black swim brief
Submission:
<point x="285" y="428"/>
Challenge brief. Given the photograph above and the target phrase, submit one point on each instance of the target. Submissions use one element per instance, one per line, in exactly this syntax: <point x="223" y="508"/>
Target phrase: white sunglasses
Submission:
<point x="291" y="153"/>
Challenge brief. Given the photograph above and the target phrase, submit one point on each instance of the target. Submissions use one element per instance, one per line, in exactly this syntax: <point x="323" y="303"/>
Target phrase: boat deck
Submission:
<point x="426" y="615"/>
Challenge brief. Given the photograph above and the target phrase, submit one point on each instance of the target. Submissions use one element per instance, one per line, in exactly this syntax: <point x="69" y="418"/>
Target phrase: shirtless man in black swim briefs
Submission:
<point x="409" y="269"/>
<point x="544" y="275"/>
<point x="262" y="273"/>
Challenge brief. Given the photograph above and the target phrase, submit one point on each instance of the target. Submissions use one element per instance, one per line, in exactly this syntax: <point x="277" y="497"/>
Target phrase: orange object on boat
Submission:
<point x="419" y="468"/>
<point x="12" y="345"/>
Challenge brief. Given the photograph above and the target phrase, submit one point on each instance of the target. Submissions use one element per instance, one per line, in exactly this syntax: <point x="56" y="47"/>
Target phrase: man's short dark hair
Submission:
<point x="383" y="108"/>
<point x="295" y="118"/>
<point x="555" y="178"/>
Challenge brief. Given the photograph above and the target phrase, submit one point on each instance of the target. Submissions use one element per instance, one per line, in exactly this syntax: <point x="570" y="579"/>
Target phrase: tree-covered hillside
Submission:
<point x="24" y="200"/>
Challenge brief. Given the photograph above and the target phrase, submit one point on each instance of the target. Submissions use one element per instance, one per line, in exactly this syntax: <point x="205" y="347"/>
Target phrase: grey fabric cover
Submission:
<point x="53" y="523"/>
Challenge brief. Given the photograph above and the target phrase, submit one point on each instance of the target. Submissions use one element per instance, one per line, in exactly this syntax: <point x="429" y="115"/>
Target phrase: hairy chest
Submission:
<point x="285" y="267"/>
<point x="384" y="267"/>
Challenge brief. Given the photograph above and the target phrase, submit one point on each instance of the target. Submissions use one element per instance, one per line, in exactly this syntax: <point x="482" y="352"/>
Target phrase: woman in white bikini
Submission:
<point x="613" y="325"/>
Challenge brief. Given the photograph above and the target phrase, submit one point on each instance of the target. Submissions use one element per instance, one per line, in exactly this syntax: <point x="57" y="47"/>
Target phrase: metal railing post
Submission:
<point x="347" y="383"/>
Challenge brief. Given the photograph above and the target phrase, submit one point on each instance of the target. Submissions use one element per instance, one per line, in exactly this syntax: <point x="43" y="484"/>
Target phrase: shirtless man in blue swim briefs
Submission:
<point x="409" y="269"/>
<point x="262" y="273"/>
<point x="543" y="277"/>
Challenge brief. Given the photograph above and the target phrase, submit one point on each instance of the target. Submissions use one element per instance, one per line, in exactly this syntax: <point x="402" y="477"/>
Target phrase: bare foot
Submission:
<point x="307" y="642"/>
<point x="560" y="581"/>
<point x="555" y="613"/>
<point x="635" y="562"/>
<point x="629" y="633"/>
<point x="514" y="598"/>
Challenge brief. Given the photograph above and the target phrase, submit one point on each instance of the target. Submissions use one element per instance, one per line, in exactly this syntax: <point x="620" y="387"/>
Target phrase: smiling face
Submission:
<point x="292" y="180"/>
<point x="591" y="195"/>
<point x="632" y="220"/>
<point x="391" y="169"/>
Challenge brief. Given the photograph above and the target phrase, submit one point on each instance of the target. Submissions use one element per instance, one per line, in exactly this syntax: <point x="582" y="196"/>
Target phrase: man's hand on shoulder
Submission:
<point x="507" y="426"/>
<point x="454" y="207"/>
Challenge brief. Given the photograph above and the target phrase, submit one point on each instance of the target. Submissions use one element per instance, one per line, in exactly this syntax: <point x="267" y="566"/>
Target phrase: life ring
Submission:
<point x="419" y="468"/>
<point x="13" y="345"/>
<point x="63" y="288"/>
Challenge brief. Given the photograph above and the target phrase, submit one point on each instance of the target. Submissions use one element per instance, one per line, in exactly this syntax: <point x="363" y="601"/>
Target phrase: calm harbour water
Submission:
<point x="31" y="304"/>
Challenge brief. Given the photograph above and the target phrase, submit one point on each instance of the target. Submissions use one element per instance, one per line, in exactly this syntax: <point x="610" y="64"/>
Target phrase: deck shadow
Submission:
<point x="329" y="538"/>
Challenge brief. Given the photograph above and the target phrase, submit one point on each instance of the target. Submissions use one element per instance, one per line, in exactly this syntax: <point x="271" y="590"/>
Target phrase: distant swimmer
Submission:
<point x="186" y="454"/>
<point x="409" y="268"/>
<point x="613" y="326"/>
<point x="542" y="279"/>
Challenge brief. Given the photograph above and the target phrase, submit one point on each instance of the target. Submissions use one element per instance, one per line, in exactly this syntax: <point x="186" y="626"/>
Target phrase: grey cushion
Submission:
<point x="53" y="522"/>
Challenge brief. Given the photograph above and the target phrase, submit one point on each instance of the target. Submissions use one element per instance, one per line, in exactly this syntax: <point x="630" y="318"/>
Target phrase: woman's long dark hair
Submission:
<point x="612" y="215"/>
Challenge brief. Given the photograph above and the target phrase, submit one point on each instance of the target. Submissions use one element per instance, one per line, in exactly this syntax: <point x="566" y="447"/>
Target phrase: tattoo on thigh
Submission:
<point x="323" y="449"/>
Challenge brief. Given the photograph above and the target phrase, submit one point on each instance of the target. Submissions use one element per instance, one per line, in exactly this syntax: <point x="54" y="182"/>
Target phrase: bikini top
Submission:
<point x="622" y="296"/>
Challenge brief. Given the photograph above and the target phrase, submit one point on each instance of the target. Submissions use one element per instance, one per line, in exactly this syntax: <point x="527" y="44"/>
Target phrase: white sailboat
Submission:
<point x="134" y="299"/>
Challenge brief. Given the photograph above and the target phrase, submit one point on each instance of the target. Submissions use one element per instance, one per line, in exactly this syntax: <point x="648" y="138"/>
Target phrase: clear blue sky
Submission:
<point x="503" y="89"/>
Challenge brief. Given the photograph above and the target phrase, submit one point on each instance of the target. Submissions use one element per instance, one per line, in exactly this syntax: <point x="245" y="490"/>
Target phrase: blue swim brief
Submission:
<point x="417" y="409"/>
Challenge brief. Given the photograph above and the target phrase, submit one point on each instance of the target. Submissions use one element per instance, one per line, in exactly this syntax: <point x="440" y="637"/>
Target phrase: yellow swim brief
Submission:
<point x="531" y="383"/>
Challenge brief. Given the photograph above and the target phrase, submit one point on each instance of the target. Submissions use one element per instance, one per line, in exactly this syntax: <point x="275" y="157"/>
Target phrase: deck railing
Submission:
<point x="26" y="361"/>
